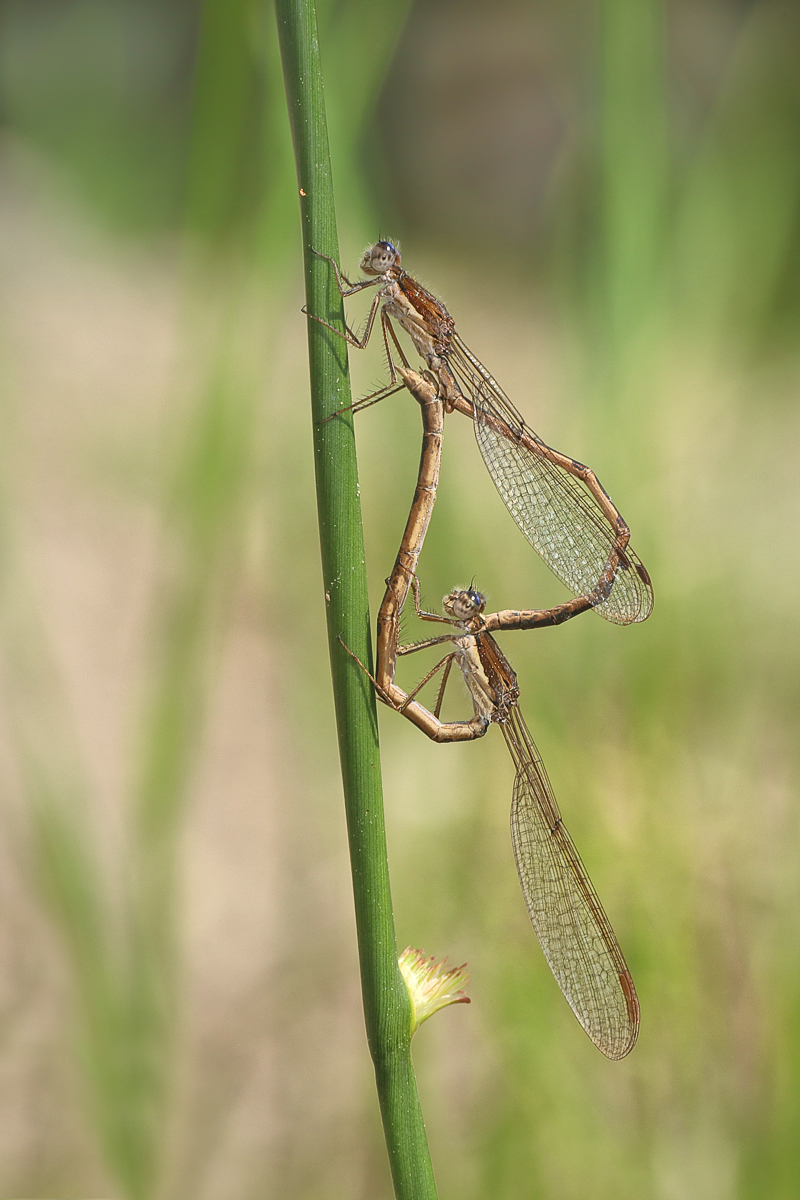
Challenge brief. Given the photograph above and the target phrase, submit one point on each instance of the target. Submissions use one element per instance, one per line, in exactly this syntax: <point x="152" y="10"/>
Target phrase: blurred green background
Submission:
<point x="607" y="196"/>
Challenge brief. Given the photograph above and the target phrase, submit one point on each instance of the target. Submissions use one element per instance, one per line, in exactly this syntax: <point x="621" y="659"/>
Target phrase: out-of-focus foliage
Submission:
<point x="607" y="197"/>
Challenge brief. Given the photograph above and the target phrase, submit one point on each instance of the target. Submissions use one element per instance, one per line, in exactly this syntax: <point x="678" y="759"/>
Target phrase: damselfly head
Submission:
<point x="380" y="258"/>
<point x="464" y="603"/>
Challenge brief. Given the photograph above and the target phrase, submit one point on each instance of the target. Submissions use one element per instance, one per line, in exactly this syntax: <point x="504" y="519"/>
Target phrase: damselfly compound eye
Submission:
<point x="381" y="258"/>
<point x="464" y="603"/>
<point x="378" y="259"/>
<point x="477" y="599"/>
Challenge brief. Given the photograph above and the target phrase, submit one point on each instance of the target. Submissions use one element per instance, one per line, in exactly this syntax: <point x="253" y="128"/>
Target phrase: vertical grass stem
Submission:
<point x="386" y="1002"/>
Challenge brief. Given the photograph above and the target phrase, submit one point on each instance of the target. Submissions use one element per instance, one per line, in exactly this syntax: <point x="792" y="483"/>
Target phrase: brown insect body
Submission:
<point x="558" y="503"/>
<point x="432" y="312"/>
<point x="489" y="676"/>
<point x="426" y="321"/>
<point x="502" y="677"/>
<point x="565" y="911"/>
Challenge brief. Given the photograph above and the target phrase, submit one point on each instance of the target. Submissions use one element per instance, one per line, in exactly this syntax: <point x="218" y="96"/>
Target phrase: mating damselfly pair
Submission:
<point x="568" y="517"/>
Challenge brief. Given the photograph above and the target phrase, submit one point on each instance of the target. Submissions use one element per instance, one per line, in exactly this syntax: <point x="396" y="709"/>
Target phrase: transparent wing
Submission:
<point x="558" y="512"/>
<point x="567" y="916"/>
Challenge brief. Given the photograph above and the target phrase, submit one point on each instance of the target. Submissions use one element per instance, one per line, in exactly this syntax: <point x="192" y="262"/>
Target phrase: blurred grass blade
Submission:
<point x="122" y="1075"/>
<point x="223" y="169"/>
<point x="737" y="219"/>
<point x="358" y="40"/>
<point x="121" y="939"/>
<point x="633" y="207"/>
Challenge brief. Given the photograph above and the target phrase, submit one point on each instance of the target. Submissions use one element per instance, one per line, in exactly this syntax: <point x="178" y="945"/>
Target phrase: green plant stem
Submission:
<point x="387" y="1010"/>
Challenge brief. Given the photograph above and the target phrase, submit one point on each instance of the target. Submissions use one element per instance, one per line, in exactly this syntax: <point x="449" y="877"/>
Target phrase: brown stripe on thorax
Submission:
<point x="499" y="672"/>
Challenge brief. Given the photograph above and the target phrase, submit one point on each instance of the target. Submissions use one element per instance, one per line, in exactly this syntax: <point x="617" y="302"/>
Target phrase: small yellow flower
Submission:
<point x="430" y="986"/>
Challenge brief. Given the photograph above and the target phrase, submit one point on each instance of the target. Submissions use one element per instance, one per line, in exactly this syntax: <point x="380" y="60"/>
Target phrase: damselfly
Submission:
<point x="558" y="503"/>
<point x="403" y="573"/>
<point x="570" y="922"/>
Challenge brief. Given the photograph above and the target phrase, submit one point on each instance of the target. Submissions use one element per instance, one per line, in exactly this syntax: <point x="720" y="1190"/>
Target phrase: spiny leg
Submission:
<point x="366" y="401"/>
<point x="351" y="288"/>
<point x="437" y="710"/>
<point x="388" y="331"/>
<point x="427" y="616"/>
<point x="448" y="659"/>
<point x="351" y="338"/>
<point x="413" y="647"/>
<point x="383" y="695"/>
